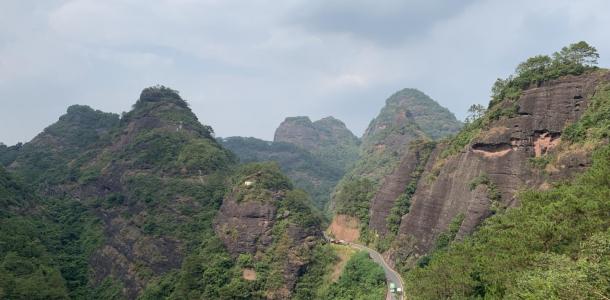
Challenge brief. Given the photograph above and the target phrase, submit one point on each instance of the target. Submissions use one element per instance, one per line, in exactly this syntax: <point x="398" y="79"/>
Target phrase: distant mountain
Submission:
<point x="409" y="116"/>
<point x="314" y="155"/>
<point x="328" y="138"/>
<point x="305" y="170"/>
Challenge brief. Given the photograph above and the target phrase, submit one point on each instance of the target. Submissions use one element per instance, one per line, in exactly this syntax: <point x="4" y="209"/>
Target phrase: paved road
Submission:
<point x="390" y="274"/>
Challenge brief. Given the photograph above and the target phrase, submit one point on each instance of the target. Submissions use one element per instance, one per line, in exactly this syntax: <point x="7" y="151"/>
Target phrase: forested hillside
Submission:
<point x="149" y="205"/>
<point x="409" y="120"/>
<point x="306" y="170"/>
<point x="314" y="155"/>
<point x="545" y="237"/>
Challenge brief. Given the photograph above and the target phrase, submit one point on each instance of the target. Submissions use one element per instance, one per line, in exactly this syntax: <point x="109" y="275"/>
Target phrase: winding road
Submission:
<point x="390" y="274"/>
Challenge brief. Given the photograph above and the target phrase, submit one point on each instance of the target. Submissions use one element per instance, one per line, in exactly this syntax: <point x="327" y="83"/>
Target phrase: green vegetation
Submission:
<point x="553" y="246"/>
<point x="327" y="139"/>
<point x="46" y="159"/>
<point x="209" y="272"/>
<point x="354" y="199"/>
<point x="492" y="190"/>
<point x="403" y="203"/>
<point x="434" y="120"/>
<point x="156" y="168"/>
<point x="541" y="162"/>
<point x="594" y="125"/>
<point x="8" y="154"/>
<point x="362" y="279"/>
<point x="44" y="254"/>
<point x="308" y="171"/>
<point x="409" y="115"/>
<point x="315" y="282"/>
<point x="264" y="180"/>
<point x="575" y="59"/>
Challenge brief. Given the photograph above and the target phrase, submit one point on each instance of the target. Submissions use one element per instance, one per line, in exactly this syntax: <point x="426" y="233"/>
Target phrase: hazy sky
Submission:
<point x="245" y="65"/>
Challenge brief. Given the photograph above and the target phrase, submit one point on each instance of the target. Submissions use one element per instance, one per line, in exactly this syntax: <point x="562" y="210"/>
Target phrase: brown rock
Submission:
<point x="501" y="152"/>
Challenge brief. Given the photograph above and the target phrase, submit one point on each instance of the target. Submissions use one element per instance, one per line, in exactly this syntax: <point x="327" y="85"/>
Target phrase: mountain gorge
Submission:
<point x="511" y="204"/>
<point x="397" y="132"/>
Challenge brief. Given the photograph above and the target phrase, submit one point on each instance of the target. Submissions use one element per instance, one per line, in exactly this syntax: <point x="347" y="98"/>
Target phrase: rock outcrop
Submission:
<point x="408" y="116"/>
<point x="394" y="185"/>
<point x="497" y="163"/>
<point x="144" y="177"/>
<point x="263" y="217"/>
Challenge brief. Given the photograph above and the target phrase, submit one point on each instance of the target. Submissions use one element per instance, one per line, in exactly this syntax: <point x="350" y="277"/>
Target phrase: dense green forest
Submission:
<point x="306" y="170"/>
<point x="148" y="205"/>
<point x="361" y="278"/>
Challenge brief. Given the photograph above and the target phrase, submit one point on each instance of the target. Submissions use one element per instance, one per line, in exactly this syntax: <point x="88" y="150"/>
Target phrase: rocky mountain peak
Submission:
<point x="162" y="107"/>
<point x="302" y="132"/>
<point x="160" y="93"/>
<point x="411" y="106"/>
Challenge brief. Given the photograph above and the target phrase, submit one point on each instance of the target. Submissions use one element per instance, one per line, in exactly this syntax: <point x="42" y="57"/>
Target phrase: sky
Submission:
<point x="244" y="66"/>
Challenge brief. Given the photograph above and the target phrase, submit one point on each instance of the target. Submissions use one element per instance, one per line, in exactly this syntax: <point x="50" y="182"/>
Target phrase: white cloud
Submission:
<point x="245" y="65"/>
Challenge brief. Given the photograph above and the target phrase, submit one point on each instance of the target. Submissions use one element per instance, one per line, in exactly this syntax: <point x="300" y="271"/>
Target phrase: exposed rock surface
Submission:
<point x="407" y="116"/>
<point x="344" y="227"/>
<point x="245" y="227"/>
<point x="130" y="249"/>
<point x="393" y="186"/>
<point x="126" y="172"/>
<point x="263" y="222"/>
<point x="502" y="152"/>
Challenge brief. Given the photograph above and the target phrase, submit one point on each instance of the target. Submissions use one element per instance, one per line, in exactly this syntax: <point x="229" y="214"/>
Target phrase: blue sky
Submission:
<point x="246" y="65"/>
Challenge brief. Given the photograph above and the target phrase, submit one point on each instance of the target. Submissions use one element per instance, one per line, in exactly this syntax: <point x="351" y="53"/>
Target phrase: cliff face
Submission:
<point x="264" y="218"/>
<point x="143" y="179"/>
<point x="394" y="185"/>
<point x="386" y="158"/>
<point x="149" y="181"/>
<point x="500" y="160"/>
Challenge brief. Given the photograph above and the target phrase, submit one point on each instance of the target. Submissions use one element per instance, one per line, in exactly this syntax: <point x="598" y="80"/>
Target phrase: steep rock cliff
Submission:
<point x="485" y="175"/>
<point x="264" y="218"/>
<point x="408" y="116"/>
<point x="145" y="178"/>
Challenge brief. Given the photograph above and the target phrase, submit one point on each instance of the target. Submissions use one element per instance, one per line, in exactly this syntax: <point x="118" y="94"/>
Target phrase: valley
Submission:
<point x="512" y="203"/>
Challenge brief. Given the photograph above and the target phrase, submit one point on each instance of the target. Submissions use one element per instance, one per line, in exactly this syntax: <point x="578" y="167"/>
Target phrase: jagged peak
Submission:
<point x="160" y="94"/>
<point x="305" y="120"/>
<point x="414" y="106"/>
<point x="409" y="94"/>
<point x="330" y="120"/>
